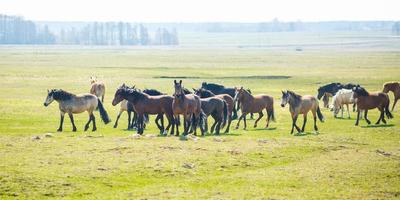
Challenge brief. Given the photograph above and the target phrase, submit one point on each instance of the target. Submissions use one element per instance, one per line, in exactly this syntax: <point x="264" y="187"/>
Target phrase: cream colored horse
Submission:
<point x="341" y="98"/>
<point x="74" y="104"/>
<point x="98" y="88"/>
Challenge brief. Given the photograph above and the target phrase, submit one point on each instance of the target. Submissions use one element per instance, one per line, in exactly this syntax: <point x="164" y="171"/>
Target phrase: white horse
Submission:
<point x="342" y="97"/>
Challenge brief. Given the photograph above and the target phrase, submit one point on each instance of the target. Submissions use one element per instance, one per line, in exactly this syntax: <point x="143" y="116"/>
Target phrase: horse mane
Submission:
<point x="186" y="91"/>
<point x="213" y="86"/>
<point x="296" y="96"/>
<point x="134" y="92"/>
<point x="329" y="85"/>
<point x="361" y="91"/>
<point x="61" y="94"/>
<point x="392" y="82"/>
<point x="152" y="92"/>
<point x="206" y="92"/>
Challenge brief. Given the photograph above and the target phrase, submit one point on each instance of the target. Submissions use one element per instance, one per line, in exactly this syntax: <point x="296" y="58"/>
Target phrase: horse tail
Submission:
<point x="387" y="111"/>
<point x="320" y="116"/>
<point x="103" y="112"/>
<point x="225" y="113"/>
<point x="203" y="118"/>
<point x="271" y="113"/>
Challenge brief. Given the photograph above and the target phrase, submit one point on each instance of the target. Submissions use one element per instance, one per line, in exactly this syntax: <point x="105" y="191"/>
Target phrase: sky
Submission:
<point x="202" y="10"/>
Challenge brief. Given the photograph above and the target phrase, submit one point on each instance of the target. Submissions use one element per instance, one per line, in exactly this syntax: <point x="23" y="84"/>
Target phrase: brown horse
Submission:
<point x="98" y="89"/>
<point x="367" y="101"/>
<point x="325" y="99"/>
<point x="146" y="104"/>
<point x="189" y="106"/>
<point x="203" y="93"/>
<point x="74" y="104"/>
<point x="301" y="105"/>
<point x="395" y="88"/>
<point x="254" y="104"/>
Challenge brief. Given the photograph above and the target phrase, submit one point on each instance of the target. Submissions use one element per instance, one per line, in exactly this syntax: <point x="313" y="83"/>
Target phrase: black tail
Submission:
<point x="203" y="118"/>
<point x="320" y="116"/>
<point x="271" y="113"/>
<point x="103" y="112"/>
<point x="387" y="111"/>
<point x="225" y="113"/>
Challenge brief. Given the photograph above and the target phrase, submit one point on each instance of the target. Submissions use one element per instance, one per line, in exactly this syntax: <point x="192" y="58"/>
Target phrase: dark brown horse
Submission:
<point x="146" y="104"/>
<point x="367" y="101"/>
<point x="301" y="105"/>
<point x="255" y="104"/>
<point x="203" y="93"/>
<point x="395" y="88"/>
<point x="217" y="108"/>
<point x="189" y="106"/>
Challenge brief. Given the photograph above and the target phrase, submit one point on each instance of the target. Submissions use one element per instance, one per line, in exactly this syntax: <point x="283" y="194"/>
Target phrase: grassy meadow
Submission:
<point x="342" y="161"/>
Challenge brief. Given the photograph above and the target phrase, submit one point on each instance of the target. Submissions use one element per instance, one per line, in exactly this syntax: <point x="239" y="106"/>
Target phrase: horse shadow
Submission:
<point x="302" y="134"/>
<point x="377" y="125"/>
<point x="263" y="129"/>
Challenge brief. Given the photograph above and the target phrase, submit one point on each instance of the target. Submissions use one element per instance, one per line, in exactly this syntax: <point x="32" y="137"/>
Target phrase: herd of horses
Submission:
<point x="220" y="102"/>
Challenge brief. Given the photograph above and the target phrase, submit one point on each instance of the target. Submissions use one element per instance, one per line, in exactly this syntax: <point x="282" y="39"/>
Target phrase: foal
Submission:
<point x="98" y="89"/>
<point x="203" y="93"/>
<point x="188" y="105"/>
<point x="367" y="101"/>
<point x="301" y="105"/>
<point x="74" y="104"/>
<point x="255" y="104"/>
<point x="395" y="88"/>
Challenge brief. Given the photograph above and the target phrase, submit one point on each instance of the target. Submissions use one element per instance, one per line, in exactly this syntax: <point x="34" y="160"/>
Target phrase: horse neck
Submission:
<point x="246" y="97"/>
<point x="134" y="98"/>
<point x="293" y="101"/>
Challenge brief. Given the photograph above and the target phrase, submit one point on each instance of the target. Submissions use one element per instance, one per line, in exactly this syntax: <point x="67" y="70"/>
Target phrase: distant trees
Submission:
<point x="16" y="30"/>
<point x="396" y="28"/>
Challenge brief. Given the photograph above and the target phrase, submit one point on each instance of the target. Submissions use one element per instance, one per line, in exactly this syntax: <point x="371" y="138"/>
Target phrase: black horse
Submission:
<point x="333" y="88"/>
<point x="220" y="89"/>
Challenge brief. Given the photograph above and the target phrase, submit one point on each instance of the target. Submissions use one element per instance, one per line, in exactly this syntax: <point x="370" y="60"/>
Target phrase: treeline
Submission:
<point x="16" y="30"/>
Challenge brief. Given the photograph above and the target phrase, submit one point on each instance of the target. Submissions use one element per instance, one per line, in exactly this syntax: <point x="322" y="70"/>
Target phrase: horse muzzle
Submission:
<point x="282" y="105"/>
<point x="45" y="104"/>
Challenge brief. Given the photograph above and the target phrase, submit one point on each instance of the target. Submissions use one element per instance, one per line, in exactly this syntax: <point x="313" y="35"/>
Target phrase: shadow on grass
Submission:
<point x="263" y="129"/>
<point x="306" y="133"/>
<point x="377" y="125"/>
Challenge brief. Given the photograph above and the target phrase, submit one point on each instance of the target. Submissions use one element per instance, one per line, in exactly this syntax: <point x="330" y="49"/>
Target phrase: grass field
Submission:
<point x="340" y="162"/>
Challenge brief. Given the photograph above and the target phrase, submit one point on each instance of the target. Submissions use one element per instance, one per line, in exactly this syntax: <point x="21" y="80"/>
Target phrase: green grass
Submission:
<point x="341" y="162"/>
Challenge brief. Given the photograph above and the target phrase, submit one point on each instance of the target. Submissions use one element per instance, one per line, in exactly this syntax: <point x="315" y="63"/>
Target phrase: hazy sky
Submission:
<point x="202" y="10"/>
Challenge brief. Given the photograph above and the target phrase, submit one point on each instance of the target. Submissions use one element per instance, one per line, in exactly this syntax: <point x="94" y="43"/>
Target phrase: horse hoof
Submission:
<point x="94" y="129"/>
<point x="74" y="130"/>
<point x="115" y="126"/>
<point x="59" y="130"/>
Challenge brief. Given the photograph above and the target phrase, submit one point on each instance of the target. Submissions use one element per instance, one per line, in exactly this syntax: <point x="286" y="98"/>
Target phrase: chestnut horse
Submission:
<point x="254" y="104"/>
<point x="301" y="105"/>
<point x="146" y="104"/>
<point x="188" y="105"/>
<point x="98" y="89"/>
<point x="367" y="101"/>
<point x="395" y="88"/>
<point x="203" y="93"/>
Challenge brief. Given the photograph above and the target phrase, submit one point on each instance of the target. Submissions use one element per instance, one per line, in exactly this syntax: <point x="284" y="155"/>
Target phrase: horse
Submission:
<point x="146" y="104"/>
<point x="255" y="104"/>
<point x="97" y="88"/>
<point x="331" y="89"/>
<point x="395" y="88"/>
<point x="189" y="105"/>
<point x="301" y="105"/>
<point x="220" y="89"/>
<point x="74" y="104"/>
<point x="238" y="103"/>
<point x="203" y="93"/>
<point x="367" y="101"/>
<point x="217" y="108"/>
<point x="342" y="97"/>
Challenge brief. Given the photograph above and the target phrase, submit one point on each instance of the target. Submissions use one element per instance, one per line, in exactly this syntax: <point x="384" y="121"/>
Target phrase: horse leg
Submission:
<point x="129" y="120"/>
<point x="304" y="122"/>
<point x="348" y="111"/>
<point x="61" y="121"/>
<point x="240" y="118"/>
<point x="219" y="122"/>
<point x="260" y="115"/>
<point x="365" y="116"/>
<point x="102" y="98"/>
<point x="162" y="123"/>
<point x="381" y="115"/>
<point x="214" y="124"/>
<point x="358" y="117"/>
<point x="158" y="125"/>
<point x="116" y="121"/>
<point x="244" y="121"/>
<point x="72" y="122"/>
<point x="251" y="116"/>
<point x="394" y="103"/>
<point x="94" y="123"/>
<point x="176" y="118"/>
<point x="187" y="121"/>
<point x="342" y="110"/>
<point x="315" y="121"/>
<point x="294" y="119"/>
<point x="139" y="123"/>
<point x="229" y="124"/>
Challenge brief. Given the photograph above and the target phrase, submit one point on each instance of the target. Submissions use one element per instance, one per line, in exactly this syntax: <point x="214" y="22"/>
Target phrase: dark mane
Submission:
<point x="205" y="93"/>
<point x="361" y="91"/>
<point x="212" y="86"/>
<point x="186" y="91"/>
<point x="296" y="96"/>
<point x="152" y="92"/>
<point x="328" y="86"/>
<point x="348" y="86"/>
<point x="125" y="91"/>
<point x="61" y="94"/>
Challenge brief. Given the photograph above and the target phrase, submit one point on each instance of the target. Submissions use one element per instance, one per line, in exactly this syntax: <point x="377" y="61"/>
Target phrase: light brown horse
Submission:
<point x="74" y="104"/>
<point x="255" y="104"/>
<point x="203" y="93"/>
<point x="98" y="89"/>
<point x="367" y="101"/>
<point x="189" y="106"/>
<point x="146" y="104"/>
<point x="301" y="105"/>
<point x="395" y="88"/>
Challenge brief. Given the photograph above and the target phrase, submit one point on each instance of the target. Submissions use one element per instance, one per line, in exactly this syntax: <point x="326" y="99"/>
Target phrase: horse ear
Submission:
<point x="180" y="81"/>
<point x="194" y="90"/>
<point x="282" y="92"/>
<point x="175" y="82"/>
